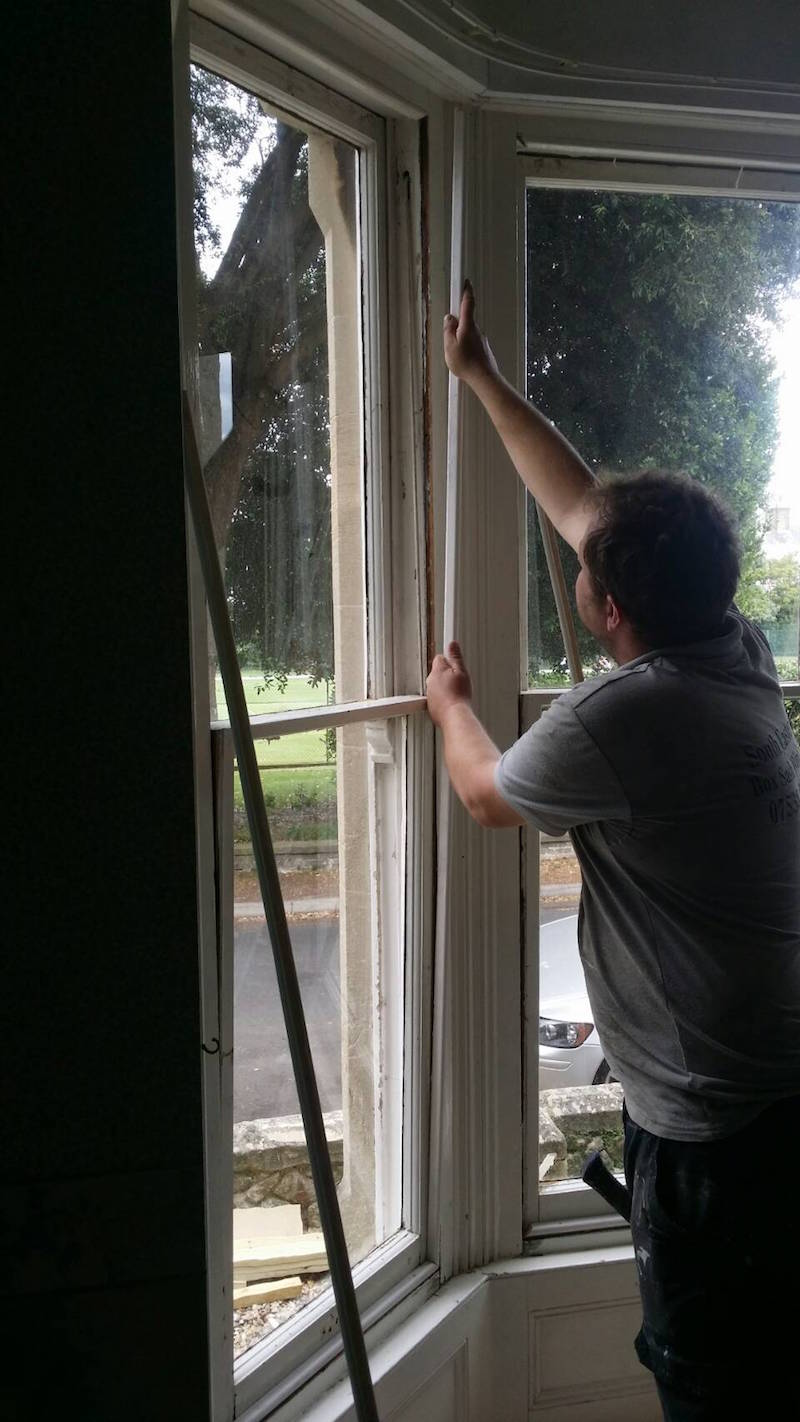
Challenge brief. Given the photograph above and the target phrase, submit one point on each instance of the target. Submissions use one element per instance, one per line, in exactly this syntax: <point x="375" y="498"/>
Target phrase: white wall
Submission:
<point x="527" y="1341"/>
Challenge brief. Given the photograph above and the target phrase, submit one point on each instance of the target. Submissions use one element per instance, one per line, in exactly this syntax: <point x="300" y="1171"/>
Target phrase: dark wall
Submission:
<point x="101" y="1134"/>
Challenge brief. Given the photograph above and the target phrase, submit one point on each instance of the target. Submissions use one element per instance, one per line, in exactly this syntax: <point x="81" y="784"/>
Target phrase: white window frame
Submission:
<point x="571" y="1208"/>
<point x="396" y="1274"/>
<point x="396" y="1270"/>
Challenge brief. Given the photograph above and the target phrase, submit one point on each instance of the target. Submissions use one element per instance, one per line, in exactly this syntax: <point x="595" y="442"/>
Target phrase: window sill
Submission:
<point x="570" y="1215"/>
<point x="271" y="1371"/>
<point x="570" y="1236"/>
<point x="576" y="1251"/>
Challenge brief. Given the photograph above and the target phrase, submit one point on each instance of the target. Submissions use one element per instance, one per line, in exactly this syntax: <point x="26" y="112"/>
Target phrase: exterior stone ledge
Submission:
<point x="281" y="1133"/>
<point x="271" y="1164"/>
<point x="552" y="1147"/>
<point x="587" y="1118"/>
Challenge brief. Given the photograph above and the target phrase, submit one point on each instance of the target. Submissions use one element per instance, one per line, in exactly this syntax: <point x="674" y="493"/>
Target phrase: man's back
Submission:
<point x="678" y="778"/>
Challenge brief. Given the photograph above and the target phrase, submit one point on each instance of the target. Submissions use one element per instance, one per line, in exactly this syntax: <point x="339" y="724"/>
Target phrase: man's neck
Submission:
<point x="627" y="646"/>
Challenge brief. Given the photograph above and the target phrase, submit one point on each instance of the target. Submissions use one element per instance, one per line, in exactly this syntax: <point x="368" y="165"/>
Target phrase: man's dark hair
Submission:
<point x="666" y="550"/>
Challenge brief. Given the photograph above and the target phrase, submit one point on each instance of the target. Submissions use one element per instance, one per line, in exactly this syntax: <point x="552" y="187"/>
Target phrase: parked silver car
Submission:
<point x="570" y="1053"/>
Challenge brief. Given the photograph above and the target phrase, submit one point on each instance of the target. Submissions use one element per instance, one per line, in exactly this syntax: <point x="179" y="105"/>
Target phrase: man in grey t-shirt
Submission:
<point x="678" y="779"/>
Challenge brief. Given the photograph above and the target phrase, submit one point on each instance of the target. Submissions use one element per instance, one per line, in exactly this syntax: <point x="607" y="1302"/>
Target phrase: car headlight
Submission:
<point x="563" y="1034"/>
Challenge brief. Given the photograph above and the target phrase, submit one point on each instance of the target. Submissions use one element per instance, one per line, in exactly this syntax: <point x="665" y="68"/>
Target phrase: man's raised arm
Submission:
<point x="549" y="466"/>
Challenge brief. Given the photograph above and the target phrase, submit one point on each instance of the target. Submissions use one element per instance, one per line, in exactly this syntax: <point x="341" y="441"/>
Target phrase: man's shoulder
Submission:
<point x="606" y="691"/>
<point x="754" y="642"/>
<point x="615" y="710"/>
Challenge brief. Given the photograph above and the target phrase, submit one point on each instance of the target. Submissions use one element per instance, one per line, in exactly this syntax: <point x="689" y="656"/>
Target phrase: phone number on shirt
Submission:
<point x="784" y="809"/>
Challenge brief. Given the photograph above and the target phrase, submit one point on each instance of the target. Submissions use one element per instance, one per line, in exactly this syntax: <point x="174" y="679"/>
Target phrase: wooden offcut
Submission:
<point x="270" y="1222"/>
<point x="279" y="1258"/>
<point x="271" y="1292"/>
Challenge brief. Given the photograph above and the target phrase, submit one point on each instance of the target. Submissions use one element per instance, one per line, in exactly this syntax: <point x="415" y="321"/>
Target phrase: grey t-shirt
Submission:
<point x="678" y="779"/>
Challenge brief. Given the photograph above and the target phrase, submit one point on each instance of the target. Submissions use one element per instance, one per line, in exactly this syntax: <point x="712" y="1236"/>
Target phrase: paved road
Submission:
<point x="263" y="1084"/>
<point x="549" y="914"/>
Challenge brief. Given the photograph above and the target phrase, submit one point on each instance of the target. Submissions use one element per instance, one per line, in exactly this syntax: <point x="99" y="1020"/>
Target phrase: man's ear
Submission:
<point x="613" y="615"/>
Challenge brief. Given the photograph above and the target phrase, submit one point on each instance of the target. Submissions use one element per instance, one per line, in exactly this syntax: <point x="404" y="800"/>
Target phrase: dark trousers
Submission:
<point x="716" y="1234"/>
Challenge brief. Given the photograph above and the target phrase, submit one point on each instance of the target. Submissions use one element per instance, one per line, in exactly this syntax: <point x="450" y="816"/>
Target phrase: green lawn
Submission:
<point x="301" y="748"/>
<point x="296" y="774"/>
<point x="304" y="747"/>
<point x="298" y="693"/>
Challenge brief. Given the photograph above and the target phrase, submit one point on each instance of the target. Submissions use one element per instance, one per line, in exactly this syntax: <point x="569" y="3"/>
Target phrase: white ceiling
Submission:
<point x="741" y="40"/>
<point x="733" y="47"/>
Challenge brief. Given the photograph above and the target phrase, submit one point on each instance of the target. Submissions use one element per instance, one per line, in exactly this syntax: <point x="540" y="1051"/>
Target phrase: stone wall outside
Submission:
<point x="574" y="1121"/>
<point x="271" y="1165"/>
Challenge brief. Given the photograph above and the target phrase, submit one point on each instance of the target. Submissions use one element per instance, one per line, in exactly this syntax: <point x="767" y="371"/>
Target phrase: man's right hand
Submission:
<point x="549" y="466"/>
<point x="466" y="351"/>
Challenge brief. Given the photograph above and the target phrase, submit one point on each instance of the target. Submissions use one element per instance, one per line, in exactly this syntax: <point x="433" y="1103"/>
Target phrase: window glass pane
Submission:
<point x="793" y="712"/>
<point x="663" y="333"/>
<point x="580" y="1106"/>
<point x="547" y="660"/>
<point x="280" y="393"/>
<point x="334" y="803"/>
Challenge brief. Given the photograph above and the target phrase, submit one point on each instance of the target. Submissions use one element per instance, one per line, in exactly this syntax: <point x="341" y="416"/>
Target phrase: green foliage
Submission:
<point x="793" y="712"/>
<point x="279" y="680"/>
<point x="310" y="790"/>
<point x="773" y="590"/>
<point x="648" y="345"/>
<point x="782" y="580"/>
